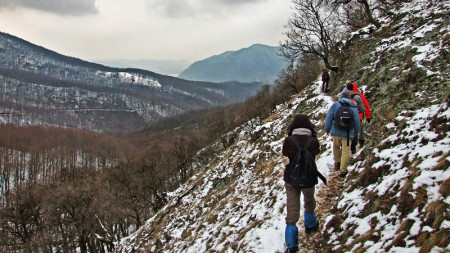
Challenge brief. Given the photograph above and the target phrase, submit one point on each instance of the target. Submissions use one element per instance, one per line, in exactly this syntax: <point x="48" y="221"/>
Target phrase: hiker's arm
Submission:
<point x="356" y="120"/>
<point x="285" y="149"/>
<point x="329" y="119"/>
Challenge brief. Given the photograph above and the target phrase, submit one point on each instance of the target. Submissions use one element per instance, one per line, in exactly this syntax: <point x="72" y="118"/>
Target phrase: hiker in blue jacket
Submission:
<point x="341" y="137"/>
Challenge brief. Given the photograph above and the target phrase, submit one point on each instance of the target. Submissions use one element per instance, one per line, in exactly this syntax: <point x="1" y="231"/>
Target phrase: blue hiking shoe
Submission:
<point x="294" y="250"/>
<point x="313" y="229"/>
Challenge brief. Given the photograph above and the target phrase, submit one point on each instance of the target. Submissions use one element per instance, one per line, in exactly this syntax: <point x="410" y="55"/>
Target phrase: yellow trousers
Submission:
<point x="341" y="152"/>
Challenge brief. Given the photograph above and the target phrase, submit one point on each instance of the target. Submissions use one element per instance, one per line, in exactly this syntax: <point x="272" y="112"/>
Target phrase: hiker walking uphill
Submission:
<point x="325" y="80"/>
<point x="363" y="110"/>
<point x="342" y="121"/>
<point x="300" y="175"/>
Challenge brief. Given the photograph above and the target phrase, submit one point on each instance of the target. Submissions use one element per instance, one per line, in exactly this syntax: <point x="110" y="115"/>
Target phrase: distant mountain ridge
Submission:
<point x="42" y="87"/>
<point x="172" y="68"/>
<point x="257" y="63"/>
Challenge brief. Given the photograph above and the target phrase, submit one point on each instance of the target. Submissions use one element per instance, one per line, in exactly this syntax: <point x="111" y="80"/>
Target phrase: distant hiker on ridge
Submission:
<point x="364" y="112"/>
<point x="342" y="121"/>
<point x="301" y="136"/>
<point x="325" y="79"/>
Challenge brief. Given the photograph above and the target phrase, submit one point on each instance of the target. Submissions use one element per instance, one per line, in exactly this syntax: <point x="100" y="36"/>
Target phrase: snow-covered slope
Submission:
<point x="402" y="193"/>
<point x="236" y="204"/>
<point x="396" y="196"/>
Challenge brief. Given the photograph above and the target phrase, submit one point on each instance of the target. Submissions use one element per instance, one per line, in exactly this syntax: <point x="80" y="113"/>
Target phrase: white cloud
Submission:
<point x="184" y="8"/>
<point x="158" y="30"/>
<point x="66" y="7"/>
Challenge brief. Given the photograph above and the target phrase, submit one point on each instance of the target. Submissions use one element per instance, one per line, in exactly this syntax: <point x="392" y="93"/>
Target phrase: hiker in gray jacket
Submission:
<point x="349" y="92"/>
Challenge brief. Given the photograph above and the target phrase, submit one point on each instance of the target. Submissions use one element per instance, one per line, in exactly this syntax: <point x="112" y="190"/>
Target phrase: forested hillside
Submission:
<point x="73" y="190"/>
<point x="42" y="87"/>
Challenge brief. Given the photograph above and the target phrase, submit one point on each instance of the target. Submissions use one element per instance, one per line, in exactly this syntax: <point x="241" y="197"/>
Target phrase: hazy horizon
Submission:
<point x="104" y="30"/>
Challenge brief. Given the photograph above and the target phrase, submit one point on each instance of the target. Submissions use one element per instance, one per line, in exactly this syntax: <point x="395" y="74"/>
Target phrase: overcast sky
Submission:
<point x="145" y="29"/>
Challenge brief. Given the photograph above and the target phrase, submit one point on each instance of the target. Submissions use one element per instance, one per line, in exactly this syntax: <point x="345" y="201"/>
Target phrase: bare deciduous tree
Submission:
<point x="313" y="30"/>
<point x="368" y="8"/>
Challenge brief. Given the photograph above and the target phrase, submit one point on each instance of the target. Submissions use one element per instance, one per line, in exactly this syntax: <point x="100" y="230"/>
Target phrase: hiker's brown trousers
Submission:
<point x="293" y="202"/>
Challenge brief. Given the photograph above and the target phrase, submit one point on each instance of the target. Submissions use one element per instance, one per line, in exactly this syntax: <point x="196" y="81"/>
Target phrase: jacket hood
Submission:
<point x="346" y="94"/>
<point x="347" y="101"/>
<point x="355" y="88"/>
<point x="302" y="121"/>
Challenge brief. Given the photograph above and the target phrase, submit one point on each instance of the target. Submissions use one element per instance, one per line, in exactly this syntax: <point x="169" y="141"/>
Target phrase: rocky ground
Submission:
<point x="325" y="199"/>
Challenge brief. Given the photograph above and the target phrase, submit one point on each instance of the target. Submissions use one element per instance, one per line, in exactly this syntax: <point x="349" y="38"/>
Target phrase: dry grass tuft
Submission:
<point x="402" y="232"/>
<point x="406" y="200"/>
<point x="421" y="198"/>
<point x="428" y="241"/>
<point x="445" y="188"/>
<point x="437" y="213"/>
<point x="443" y="163"/>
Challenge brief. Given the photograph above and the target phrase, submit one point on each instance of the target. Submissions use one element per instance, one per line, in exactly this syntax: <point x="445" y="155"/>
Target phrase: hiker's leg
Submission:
<point x="293" y="213"/>
<point x="292" y="204"/>
<point x="362" y="136"/>
<point x="310" y="204"/>
<point x="291" y="238"/>
<point x="337" y="152"/>
<point x="354" y="143"/>
<point x="345" y="157"/>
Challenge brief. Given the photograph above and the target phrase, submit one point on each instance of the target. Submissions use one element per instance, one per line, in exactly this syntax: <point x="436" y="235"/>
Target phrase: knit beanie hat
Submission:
<point x="350" y="86"/>
<point x="301" y="121"/>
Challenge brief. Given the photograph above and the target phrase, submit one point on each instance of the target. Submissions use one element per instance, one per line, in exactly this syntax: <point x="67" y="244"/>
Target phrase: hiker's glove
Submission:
<point x="368" y="120"/>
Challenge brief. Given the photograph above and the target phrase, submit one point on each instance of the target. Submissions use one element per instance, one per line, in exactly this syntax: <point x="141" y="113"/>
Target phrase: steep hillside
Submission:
<point x="42" y="87"/>
<point x="237" y="202"/>
<point x="396" y="196"/>
<point x="172" y="68"/>
<point x="258" y="63"/>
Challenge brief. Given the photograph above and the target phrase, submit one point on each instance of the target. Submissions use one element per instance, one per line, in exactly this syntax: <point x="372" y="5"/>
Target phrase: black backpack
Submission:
<point x="344" y="118"/>
<point x="303" y="171"/>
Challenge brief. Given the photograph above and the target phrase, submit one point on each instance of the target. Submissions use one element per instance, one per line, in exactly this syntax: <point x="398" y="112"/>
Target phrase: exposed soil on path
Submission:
<point x="325" y="199"/>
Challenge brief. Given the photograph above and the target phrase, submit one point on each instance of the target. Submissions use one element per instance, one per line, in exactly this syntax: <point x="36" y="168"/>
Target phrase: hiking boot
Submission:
<point x="361" y="143"/>
<point x="291" y="250"/>
<point x="337" y="166"/>
<point x="343" y="174"/>
<point x="313" y="229"/>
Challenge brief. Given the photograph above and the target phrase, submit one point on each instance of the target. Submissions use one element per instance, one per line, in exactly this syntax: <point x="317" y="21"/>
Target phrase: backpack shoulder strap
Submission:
<point x="298" y="145"/>
<point x="295" y="142"/>
<point x="324" y="180"/>
<point x="307" y="143"/>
